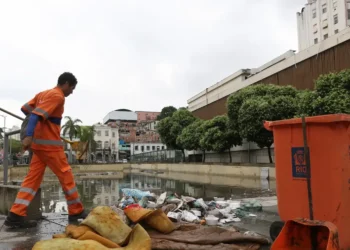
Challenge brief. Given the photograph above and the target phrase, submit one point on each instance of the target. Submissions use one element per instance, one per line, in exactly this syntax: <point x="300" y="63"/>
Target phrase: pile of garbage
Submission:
<point x="144" y="221"/>
<point x="189" y="209"/>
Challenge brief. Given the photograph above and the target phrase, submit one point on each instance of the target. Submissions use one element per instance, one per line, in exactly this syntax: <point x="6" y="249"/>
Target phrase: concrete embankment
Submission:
<point x="242" y="171"/>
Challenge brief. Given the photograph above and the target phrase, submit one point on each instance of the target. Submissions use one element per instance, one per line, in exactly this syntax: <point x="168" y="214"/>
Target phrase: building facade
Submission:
<point x="320" y="19"/>
<point x="107" y="139"/>
<point x="145" y="147"/>
<point x="146" y="115"/>
<point x="134" y="127"/>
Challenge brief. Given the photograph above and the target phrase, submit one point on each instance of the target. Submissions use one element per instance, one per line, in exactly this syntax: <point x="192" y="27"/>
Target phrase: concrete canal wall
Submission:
<point x="243" y="171"/>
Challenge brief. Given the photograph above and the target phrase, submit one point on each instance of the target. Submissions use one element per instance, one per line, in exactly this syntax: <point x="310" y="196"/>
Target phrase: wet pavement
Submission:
<point x="23" y="239"/>
<point x="96" y="190"/>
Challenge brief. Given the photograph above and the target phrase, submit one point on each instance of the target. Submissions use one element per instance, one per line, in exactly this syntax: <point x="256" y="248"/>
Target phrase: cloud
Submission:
<point x="140" y="55"/>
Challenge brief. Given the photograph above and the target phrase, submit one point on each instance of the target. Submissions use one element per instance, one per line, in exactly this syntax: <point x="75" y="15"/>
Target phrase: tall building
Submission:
<point x="320" y="19"/>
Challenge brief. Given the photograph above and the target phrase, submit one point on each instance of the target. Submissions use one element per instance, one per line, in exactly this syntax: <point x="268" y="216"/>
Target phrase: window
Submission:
<point x="98" y="132"/>
<point x="136" y="148"/>
<point x="162" y="147"/>
<point x="314" y="13"/>
<point x="113" y="134"/>
<point x="335" y="5"/>
<point x="142" y="148"/>
<point x="148" y="148"/>
<point x="348" y="14"/>
<point x="106" y="133"/>
<point x="153" y="148"/>
<point x="335" y="19"/>
<point x="325" y="24"/>
<point x="315" y="28"/>
<point x="325" y="36"/>
<point x="99" y="144"/>
<point x="336" y="31"/>
<point x="324" y="8"/>
<point x="106" y="144"/>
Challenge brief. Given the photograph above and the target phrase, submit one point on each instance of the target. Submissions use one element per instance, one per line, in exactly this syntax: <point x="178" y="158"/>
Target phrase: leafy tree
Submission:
<point x="219" y="135"/>
<point x="331" y="96"/>
<point x="87" y="134"/>
<point x="255" y="111"/>
<point x="16" y="146"/>
<point x="166" y="112"/>
<point x="191" y="135"/>
<point x="236" y="100"/>
<point x="71" y="127"/>
<point x="171" y="127"/>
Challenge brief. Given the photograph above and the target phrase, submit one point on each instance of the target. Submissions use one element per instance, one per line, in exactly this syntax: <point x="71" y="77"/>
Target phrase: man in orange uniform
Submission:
<point x="43" y="137"/>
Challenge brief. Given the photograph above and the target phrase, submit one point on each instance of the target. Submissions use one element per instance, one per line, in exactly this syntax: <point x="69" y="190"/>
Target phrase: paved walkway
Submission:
<point x="24" y="239"/>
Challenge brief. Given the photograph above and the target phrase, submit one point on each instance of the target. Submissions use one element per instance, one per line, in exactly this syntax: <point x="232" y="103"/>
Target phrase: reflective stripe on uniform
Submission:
<point x="72" y="191"/>
<point x="22" y="201"/>
<point x="27" y="190"/>
<point x="75" y="201"/>
<point x="41" y="111"/>
<point x="48" y="142"/>
<point x="28" y="107"/>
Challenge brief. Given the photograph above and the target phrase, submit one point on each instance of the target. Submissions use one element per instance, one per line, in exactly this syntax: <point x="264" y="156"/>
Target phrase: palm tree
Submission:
<point x="87" y="134"/>
<point x="72" y="129"/>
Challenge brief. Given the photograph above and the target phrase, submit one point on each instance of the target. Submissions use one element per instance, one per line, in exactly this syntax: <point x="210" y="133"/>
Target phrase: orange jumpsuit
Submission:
<point x="47" y="151"/>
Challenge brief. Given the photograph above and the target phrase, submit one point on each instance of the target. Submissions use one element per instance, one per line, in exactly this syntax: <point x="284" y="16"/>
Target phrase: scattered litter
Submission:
<point x="211" y="220"/>
<point x="138" y="194"/>
<point x="189" y="217"/>
<point x="176" y="217"/>
<point x="161" y="199"/>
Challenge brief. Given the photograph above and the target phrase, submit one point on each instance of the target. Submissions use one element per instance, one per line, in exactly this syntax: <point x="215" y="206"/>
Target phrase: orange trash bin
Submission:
<point x="328" y="139"/>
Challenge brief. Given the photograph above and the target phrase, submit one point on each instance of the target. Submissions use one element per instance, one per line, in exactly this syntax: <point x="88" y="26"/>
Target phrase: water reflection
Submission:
<point x="98" y="191"/>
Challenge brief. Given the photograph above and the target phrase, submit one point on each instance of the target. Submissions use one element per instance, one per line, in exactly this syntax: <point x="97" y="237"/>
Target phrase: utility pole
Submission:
<point x="3" y="130"/>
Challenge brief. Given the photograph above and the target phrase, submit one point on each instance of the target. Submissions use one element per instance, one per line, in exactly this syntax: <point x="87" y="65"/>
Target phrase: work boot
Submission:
<point x="76" y="217"/>
<point x="14" y="220"/>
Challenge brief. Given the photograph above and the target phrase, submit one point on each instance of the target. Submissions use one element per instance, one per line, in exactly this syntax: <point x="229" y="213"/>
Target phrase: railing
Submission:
<point x="6" y="145"/>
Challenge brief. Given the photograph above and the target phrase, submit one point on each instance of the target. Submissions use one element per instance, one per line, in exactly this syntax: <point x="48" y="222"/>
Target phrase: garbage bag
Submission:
<point x="138" y="194"/>
<point x="138" y="240"/>
<point x="108" y="224"/>
<point x="157" y="219"/>
<point x="94" y="236"/>
<point x="136" y="213"/>
<point x="75" y="232"/>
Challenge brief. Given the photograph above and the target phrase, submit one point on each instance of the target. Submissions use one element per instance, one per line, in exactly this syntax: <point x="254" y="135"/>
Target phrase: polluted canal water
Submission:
<point x="105" y="189"/>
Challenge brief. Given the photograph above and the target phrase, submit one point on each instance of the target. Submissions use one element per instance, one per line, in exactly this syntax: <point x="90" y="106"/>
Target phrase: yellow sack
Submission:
<point x="108" y="224"/>
<point x="157" y="219"/>
<point x="139" y="240"/>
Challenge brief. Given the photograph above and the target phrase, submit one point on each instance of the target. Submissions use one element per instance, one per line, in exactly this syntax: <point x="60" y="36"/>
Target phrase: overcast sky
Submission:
<point x="139" y="55"/>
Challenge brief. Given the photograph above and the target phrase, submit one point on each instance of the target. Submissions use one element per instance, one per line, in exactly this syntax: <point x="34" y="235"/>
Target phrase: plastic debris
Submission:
<point x="161" y="199"/>
<point x="189" y="217"/>
<point x="138" y="194"/>
<point x="176" y="217"/>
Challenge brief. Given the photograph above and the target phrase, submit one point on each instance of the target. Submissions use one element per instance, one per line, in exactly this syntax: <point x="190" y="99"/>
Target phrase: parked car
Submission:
<point x="125" y="161"/>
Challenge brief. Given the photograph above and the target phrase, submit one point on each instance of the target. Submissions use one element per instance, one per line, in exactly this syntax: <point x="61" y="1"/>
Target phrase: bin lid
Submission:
<point x="311" y="119"/>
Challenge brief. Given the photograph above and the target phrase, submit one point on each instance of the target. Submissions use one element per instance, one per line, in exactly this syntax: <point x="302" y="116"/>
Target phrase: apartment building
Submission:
<point x="320" y="19"/>
<point x="107" y="139"/>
